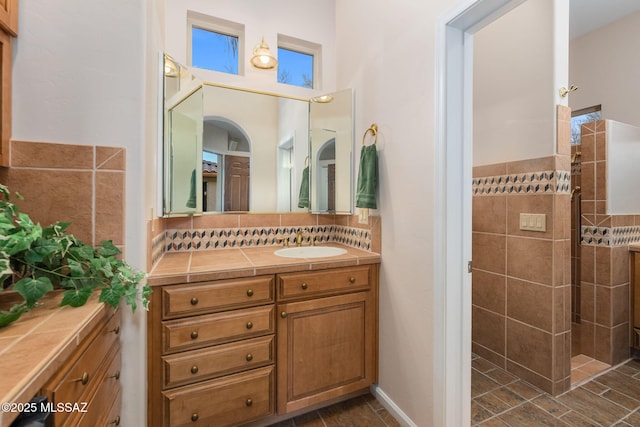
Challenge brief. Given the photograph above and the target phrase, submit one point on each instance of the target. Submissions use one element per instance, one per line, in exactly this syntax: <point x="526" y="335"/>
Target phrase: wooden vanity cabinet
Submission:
<point x="90" y="378"/>
<point x="211" y="353"/>
<point x="327" y="337"/>
<point x="229" y="352"/>
<point x="635" y="303"/>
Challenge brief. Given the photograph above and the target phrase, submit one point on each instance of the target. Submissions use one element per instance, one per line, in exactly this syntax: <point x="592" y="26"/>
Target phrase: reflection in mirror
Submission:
<point x="257" y="143"/>
<point x="331" y="153"/>
<point x="183" y="140"/>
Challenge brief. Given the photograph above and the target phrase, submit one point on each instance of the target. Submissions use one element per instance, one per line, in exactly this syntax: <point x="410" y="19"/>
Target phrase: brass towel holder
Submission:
<point x="373" y="129"/>
<point x="564" y="91"/>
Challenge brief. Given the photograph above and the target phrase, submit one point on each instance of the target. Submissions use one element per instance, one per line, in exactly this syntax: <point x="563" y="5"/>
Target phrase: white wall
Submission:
<point x="605" y="66"/>
<point x="79" y="77"/>
<point x="514" y="96"/>
<point x="260" y="18"/>
<point x="386" y="52"/>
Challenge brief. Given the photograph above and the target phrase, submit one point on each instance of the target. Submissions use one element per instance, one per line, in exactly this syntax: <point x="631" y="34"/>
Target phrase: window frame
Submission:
<point x="216" y="25"/>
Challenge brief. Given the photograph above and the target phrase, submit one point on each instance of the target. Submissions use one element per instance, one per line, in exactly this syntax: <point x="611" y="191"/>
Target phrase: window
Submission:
<point x="295" y="68"/>
<point x="585" y="115"/>
<point x="214" y="51"/>
<point x="215" y="44"/>
<point x="298" y="62"/>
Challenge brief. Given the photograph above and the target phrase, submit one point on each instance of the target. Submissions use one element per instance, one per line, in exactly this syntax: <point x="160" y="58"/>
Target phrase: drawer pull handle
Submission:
<point x="352" y="279"/>
<point x="249" y="357"/>
<point x="194" y="417"/>
<point x="116" y="376"/>
<point x="249" y="402"/>
<point x="283" y="314"/>
<point x="304" y="286"/>
<point x="84" y="379"/>
<point x="116" y="421"/>
<point x="194" y="369"/>
<point x="116" y="330"/>
<point x="194" y="335"/>
<point x="249" y="325"/>
<point x="194" y="301"/>
<point x="249" y="292"/>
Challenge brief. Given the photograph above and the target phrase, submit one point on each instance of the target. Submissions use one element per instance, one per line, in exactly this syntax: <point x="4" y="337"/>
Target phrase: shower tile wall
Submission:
<point x="521" y="291"/>
<point x="604" y="311"/>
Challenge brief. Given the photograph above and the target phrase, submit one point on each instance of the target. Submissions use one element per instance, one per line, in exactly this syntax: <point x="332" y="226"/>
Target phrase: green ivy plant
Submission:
<point x="36" y="260"/>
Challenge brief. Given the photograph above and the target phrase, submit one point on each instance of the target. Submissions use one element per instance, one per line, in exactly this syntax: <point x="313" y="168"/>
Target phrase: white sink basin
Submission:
<point x="310" y="252"/>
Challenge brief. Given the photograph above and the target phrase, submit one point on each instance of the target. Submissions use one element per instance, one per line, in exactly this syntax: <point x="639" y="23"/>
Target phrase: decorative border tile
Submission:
<point x="544" y="182"/>
<point x="157" y="247"/>
<point x="609" y="236"/>
<point x="225" y="238"/>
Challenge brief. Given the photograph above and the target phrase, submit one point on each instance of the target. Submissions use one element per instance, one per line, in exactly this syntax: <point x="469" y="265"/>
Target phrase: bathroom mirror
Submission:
<point x="331" y="153"/>
<point x="250" y="149"/>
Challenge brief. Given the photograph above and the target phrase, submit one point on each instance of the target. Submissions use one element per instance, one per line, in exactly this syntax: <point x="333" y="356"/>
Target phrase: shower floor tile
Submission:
<point x="609" y="399"/>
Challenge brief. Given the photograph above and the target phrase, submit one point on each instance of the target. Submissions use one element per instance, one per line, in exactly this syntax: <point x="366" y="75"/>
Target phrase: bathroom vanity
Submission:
<point x="241" y="336"/>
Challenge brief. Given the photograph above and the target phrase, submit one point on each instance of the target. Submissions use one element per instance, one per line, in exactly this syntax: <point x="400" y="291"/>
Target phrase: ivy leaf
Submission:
<point x="111" y="295"/>
<point x="55" y="230"/>
<point x="12" y="314"/>
<point x="82" y="252"/>
<point x="32" y="289"/>
<point x="76" y="297"/>
<point x="75" y="268"/>
<point x="108" y="249"/>
<point x="5" y="268"/>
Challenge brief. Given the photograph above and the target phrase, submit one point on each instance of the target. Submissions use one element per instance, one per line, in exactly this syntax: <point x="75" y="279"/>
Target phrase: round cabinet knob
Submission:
<point x="116" y="421"/>
<point x="116" y="330"/>
<point x="116" y="376"/>
<point x="283" y="314"/>
<point x="249" y="357"/>
<point x="249" y="402"/>
<point x="352" y="279"/>
<point x="194" y="301"/>
<point x="194" y="369"/>
<point x="249" y="292"/>
<point x="84" y="379"/>
<point x="194" y="335"/>
<point x="194" y="417"/>
<point x="304" y="286"/>
<point x="249" y="325"/>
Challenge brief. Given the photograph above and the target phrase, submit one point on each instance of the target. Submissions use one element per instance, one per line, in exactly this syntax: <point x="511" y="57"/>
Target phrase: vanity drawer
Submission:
<point x="197" y="365"/>
<point x="200" y="331"/>
<point x="231" y="400"/>
<point x="322" y="282"/>
<point x="210" y="297"/>
<point x="102" y="402"/>
<point x="78" y="381"/>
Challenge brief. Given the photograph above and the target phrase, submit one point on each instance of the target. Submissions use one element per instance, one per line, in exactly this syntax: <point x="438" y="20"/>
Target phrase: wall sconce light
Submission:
<point x="262" y="57"/>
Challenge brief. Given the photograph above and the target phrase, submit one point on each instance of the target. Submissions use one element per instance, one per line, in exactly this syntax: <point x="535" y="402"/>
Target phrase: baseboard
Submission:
<point x="390" y="406"/>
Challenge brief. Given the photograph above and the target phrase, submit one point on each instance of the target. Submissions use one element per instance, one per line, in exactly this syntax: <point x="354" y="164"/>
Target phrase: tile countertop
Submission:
<point x="196" y="266"/>
<point x="634" y="248"/>
<point x="34" y="347"/>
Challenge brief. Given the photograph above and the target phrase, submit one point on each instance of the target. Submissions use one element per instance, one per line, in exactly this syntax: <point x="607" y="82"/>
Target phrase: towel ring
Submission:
<point x="374" y="131"/>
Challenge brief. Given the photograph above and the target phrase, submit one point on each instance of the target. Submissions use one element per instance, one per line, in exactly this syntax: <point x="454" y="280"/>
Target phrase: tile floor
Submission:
<point x="583" y="367"/>
<point x="362" y="411"/>
<point x="501" y="399"/>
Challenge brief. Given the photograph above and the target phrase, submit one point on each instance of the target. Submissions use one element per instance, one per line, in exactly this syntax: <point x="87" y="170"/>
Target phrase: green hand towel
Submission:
<point x="191" y="203"/>
<point x="303" y="198"/>
<point x="367" y="178"/>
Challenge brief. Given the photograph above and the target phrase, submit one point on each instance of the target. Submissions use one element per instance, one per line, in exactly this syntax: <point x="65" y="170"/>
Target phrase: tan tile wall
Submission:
<point x="521" y="279"/>
<point x="81" y="184"/>
<point x="604" y="260"/>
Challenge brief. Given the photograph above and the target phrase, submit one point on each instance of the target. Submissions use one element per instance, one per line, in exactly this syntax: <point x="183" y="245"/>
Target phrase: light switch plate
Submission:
<point x="533" y="222"/>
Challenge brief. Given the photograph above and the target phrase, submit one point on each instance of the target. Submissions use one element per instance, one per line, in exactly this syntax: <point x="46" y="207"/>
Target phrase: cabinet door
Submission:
<point x="5" y="97"/>
<point x="9" y="16"/>
<point x="326" y="349"/>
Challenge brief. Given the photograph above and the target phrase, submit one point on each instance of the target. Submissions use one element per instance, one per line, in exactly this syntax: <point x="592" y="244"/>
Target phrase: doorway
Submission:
<point x="452" y="294"/>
